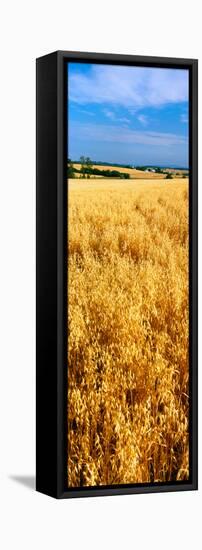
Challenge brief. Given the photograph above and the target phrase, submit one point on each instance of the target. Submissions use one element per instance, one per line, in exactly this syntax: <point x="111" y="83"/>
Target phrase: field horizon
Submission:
<point x="134" y="173"/>
<point x="134" y="165"/>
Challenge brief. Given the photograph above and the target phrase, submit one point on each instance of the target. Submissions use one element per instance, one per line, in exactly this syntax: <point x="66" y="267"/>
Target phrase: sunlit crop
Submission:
<point x="128" y="377"/>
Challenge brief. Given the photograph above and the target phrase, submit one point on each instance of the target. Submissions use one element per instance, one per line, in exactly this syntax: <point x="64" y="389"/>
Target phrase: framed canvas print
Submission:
<point x="116" y="385"/>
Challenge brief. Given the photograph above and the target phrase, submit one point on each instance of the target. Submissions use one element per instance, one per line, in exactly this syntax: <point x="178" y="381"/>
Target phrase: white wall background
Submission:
<point x="28" y="30"/>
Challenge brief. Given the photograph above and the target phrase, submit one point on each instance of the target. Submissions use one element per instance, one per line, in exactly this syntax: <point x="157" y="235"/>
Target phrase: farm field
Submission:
<point x="133" y="172"/>
<point x="128" y="378"/>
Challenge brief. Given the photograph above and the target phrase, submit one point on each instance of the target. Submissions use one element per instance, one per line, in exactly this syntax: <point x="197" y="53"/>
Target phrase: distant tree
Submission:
<point x="83" y="165"/>
<point x="88" y="162"/>
<point x="70" y="169"/>
<point x="86" y="165"/>
<point x="87" y="169"/>
<point x="169" y="176"/>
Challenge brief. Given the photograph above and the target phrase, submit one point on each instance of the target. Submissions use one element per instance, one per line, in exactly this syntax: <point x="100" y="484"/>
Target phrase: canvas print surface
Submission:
<point x="128" y="275"/>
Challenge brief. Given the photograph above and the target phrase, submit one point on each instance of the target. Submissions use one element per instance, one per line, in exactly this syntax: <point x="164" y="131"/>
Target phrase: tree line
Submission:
<point x="87" y="169"/>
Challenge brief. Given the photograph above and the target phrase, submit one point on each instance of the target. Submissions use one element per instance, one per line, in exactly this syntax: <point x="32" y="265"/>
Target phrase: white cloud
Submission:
<point x="124" y="119"/>
<point x="129" y="87"/>
<point x="120" y="134"/>
<point x="109" y="114"/>
<point x="143" y="119"/>
<point x="89" y="113"/>
<point x="114" y="117"/>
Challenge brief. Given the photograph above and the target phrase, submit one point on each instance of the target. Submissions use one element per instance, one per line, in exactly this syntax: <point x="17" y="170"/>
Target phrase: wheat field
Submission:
<point x="134" y="172"/>
<point x="128" y="323"/>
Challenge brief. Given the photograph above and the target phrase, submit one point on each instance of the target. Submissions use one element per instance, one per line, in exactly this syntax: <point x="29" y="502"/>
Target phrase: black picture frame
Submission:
<point x="51" y="273"/>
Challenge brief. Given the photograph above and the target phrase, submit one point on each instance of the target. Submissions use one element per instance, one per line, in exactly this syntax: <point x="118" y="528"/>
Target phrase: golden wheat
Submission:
<point x="128" y="376"/>
<point x="133" y="172"/>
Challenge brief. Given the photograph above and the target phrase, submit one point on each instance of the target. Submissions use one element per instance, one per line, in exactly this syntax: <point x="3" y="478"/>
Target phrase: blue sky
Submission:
<point x="135" y="115"/>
